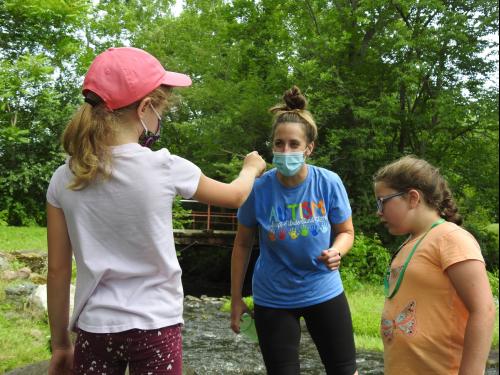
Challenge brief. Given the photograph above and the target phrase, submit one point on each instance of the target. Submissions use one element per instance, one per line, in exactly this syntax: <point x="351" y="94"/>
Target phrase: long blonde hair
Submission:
<point x="92" y="130"/>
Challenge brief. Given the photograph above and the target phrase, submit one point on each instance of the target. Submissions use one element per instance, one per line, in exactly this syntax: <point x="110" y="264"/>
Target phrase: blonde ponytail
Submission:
<point x="91" y="132"/>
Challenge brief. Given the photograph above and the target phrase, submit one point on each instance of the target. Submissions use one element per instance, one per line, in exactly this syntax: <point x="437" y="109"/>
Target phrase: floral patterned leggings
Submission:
<point x="146" y="352"/>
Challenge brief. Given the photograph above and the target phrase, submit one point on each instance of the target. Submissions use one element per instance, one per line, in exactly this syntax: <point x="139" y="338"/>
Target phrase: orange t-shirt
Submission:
<point x="423" y="325"/>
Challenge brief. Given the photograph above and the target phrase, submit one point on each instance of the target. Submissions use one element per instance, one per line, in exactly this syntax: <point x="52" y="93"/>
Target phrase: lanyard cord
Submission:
<point x="402" y="272"/>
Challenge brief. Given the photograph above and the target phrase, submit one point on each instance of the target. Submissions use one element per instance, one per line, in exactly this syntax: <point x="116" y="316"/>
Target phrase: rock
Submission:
<point x="18" y="294"/>
<point x="9" y="275"/>
<point x="38" y="298"/>
<point x="39" y="368"/>
<point x="24" y="273"/>
<point x="4" y="262"/>
<point x="493" y="359"/>
<point x="36" y="278"/>
<point x="35" y="260"/>
<point x="19" y="290"/>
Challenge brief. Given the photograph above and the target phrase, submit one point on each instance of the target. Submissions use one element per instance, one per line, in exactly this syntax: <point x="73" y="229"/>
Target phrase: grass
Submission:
<point x="23" y="338"/>
<point x="366" y="304"/>
<point x="23" y="238"/>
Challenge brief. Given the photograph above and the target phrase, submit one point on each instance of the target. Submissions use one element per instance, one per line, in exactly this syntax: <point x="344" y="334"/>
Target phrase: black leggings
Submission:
<point x="330" y="326"/>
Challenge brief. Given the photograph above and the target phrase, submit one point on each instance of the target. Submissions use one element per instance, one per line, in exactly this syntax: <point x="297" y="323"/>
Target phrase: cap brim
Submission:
<point x="176" y="79"/>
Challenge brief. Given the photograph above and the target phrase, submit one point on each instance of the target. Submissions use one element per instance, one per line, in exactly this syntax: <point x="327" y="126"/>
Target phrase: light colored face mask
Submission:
<point x="148" y="138"/>
<point x="288" y="163"/>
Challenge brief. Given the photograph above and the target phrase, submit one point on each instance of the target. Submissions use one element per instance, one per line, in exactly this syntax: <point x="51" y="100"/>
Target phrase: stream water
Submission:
<point x="210" y="347"/>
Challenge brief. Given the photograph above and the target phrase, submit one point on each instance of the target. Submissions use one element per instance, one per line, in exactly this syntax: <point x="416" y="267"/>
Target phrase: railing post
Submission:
<point x="208" y="218"/>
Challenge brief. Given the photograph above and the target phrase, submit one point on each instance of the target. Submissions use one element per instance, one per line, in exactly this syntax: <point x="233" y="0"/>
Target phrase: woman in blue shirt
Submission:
<point x="303" y="217"/>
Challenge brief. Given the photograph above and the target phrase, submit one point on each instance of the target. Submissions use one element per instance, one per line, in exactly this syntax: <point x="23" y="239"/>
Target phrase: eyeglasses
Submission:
<point x="382" y="200"/>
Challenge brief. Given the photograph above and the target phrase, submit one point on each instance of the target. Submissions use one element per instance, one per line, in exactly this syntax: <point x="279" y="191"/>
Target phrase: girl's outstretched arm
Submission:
<point x="471" y="283"/>
<point x="231" y="195"/>
<point x="58" y="291"/>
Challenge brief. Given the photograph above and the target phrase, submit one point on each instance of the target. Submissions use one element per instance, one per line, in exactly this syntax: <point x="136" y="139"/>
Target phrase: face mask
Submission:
<point x="288" y="163"/>
<point x="148" y="138"/>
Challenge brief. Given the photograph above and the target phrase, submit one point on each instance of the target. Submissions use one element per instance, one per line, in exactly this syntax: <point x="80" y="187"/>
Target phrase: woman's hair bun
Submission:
<point x="294" y="99"/>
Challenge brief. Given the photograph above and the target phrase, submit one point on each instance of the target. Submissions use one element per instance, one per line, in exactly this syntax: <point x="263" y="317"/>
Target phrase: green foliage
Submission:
<point x="180" y="216"/>
<point x="383" y="79"/>
<point x="350" y="279"/>
<point x="226" y="306"/>
<point x="488" y="240"/>
<point x="366" y="262"/>
<point x="493" y="278"/>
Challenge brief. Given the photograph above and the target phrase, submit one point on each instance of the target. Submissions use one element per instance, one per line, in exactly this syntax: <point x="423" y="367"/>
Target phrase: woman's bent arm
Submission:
<point x="471" y="283"/>
<point x="344" y="238"/>
<point x="240" y="258"/>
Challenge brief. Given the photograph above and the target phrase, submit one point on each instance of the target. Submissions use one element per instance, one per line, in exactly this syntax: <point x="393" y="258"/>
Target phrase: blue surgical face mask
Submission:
<point x="288" y="163"/>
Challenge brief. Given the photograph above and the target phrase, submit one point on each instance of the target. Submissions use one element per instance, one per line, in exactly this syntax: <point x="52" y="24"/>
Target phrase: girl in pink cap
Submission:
<point x="110" y="205"/>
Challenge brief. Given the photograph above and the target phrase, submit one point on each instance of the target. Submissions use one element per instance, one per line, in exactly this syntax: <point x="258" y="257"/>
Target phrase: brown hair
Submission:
<point x="409" y="172"/>
<point x="92" y="130"/>
<point x="294" y="110"/>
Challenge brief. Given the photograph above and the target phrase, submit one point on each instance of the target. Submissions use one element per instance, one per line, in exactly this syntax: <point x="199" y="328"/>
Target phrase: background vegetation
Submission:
<point x="384" y="78"/>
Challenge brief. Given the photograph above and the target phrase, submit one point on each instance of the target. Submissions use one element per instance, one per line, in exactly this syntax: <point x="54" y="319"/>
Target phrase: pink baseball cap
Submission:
<point x="121" y="76"/>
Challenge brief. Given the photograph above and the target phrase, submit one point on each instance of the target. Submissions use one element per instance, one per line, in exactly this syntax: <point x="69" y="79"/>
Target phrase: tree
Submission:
<point x="383" y="78"/>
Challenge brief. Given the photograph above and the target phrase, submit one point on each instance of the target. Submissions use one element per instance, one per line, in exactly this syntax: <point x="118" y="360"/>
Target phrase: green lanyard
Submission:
<point x="402" y="273"/>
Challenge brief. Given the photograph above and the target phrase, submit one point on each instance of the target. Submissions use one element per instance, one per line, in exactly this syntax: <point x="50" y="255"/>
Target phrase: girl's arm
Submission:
<point x="58" y="285"/>
<point x="239" y="263"/>
<point x="231" y="195"/>
<point x="471" y="283"/>
<point x="344" y="239"/>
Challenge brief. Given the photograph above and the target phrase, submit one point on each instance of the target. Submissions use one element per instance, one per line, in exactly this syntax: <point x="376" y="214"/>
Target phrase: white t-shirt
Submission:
<point x="121" y="233"/>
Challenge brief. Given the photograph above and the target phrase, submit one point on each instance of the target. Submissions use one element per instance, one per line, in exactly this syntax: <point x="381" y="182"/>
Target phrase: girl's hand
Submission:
<point x="238" y="308"/>
<point x="254" y="160"/>
<point x="61" y="362"/>
<point x="331" y="258"/>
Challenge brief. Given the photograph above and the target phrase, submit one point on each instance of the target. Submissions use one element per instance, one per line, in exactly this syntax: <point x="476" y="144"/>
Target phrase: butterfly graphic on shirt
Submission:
<point x="405" y="323"/>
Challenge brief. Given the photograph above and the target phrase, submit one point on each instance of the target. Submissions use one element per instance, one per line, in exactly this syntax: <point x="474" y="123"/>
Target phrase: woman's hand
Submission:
<point x="331" y="258"/>
<point x="61" y="362"/>
<point x="238" y="308"/>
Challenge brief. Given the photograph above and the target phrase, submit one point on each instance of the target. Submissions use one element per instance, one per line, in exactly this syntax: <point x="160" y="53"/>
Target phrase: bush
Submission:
<point x="366" y="262"/>
<point x="488" y="240"/>
<point x="493" y="278"/>
<point x="181" y="217"/>
<point x="350" y="279"/>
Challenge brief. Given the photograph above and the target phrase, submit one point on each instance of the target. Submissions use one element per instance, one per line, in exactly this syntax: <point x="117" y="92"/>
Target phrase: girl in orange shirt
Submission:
<point x="439" y="311"/>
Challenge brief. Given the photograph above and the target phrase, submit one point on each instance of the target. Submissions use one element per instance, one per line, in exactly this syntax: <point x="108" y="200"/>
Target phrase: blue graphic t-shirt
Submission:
<point x="294" y="228"/>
